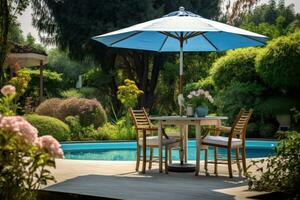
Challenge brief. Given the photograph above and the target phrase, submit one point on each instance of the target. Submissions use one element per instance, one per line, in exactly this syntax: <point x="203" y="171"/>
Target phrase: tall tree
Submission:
<point x="8" y="11"/>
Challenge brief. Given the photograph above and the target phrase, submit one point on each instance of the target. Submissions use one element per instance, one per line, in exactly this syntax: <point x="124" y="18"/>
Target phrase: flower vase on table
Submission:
<point x="199" y="99"/>
<point x="201" y="111"/>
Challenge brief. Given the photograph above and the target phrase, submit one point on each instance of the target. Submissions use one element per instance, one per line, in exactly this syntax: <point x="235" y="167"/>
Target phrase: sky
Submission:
<point x="26" y="22"/>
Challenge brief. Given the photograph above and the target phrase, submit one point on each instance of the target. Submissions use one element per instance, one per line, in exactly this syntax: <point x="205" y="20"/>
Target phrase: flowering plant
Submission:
<point x="199" y="97"/>
<point x="7" y="107"/>
<point x="25" y="158"/>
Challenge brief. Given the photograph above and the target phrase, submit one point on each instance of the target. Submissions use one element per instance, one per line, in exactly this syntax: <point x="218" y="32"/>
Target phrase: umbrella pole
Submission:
<point x="181" y="73"/>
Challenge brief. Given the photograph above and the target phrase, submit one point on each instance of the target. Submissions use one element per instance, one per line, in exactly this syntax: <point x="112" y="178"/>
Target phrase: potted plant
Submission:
<point x="199" y="100"/>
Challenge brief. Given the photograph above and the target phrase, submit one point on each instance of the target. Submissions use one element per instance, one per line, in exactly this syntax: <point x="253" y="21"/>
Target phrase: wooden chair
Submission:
<point x="235" y="140"/>
<point x="143" y="128"/>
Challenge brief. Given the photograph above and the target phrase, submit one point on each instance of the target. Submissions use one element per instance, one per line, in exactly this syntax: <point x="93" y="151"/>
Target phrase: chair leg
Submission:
<point x="198" y="149"/>
<point x="229" y="162"/>
<point x="216" y="160"/>
<point x="144" y="153"/>
<point x="238" y="161"/>
<point x="166" y="159"/>
<point x="138" y="158"/>
<point x="206" y="160"/>
<point x="244" y="159"/>
<point x="151" y="157"/>
<point x="170" y="155"/>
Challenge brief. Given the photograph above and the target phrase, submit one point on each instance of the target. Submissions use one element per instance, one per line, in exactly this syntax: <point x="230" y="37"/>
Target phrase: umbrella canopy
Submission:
<point x="181" y="31"/>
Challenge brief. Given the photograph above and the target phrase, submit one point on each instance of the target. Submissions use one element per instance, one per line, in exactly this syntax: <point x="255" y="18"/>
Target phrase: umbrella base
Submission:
<point x="184" y="167"/>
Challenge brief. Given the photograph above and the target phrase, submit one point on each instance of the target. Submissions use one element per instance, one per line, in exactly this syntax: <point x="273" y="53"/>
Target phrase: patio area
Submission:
<point x="118" y="180"/>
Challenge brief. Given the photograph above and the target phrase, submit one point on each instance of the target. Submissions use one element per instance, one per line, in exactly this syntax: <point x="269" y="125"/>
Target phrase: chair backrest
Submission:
<point x="140" y="118"/>
<point x="240" y="124"/>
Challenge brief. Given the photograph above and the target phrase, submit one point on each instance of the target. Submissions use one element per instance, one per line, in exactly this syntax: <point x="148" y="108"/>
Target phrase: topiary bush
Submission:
<point x="49" y="126"/>
<point x="49" y="107"/>
<point x="89" y="111"/>
<point x="236" y="66"/>
<point x="278" y="63"/>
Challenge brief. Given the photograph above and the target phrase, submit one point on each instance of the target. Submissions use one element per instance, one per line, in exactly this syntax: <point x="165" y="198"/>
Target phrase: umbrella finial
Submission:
<point x="181" y="9"/>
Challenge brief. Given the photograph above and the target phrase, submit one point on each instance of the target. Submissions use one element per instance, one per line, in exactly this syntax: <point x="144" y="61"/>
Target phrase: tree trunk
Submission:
<point x="141" y="63"/>
<point x="108" y="66"/>
<point x="5" y="23"/>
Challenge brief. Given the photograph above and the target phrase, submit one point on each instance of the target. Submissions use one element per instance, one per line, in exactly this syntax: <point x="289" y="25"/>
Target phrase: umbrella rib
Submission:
<point x="169" y="34"/>
<point x="210" y="42"/>
<point x="129" y="36"/>
<point x="163" y="43"/>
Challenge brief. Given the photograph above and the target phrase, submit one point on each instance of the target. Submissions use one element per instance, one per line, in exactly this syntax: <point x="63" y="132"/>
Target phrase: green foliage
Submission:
<point x="120" y="130"/>
<point x="205" y="84"/>
<point x="128" y="93"/>
<point x="263" y="28"/>
<point x="84" y="92"/>
<point x="280" y="173"/>
<point x="50" y="126"/>
<point x="267" y="130"/>
<point x="23" y="168"/>
<point x="72" y="92"/>
<point x="278" y="105"/>
<point x="21" y="82"/>
<point x="278" y="63"/>
<point x="70" y="69"/>
<point x="75" y="127"/>
<point x="236" y="96"/>
<point x="236" y="65"/>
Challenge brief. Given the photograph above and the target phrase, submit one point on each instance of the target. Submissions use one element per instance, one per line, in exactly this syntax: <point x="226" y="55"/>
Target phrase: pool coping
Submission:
<point x="112" y="141"/>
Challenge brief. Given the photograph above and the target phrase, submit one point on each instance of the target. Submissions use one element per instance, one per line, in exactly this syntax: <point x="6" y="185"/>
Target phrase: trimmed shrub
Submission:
<point x="278" y="63"/>
<point x="49" y="126"/>
<point x="236" y="66"/>
<point x="49" y="107"/>
<point x="89" y="111"/>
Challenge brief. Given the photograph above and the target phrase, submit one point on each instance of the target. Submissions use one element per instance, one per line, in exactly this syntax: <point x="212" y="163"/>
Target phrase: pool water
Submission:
<point x="126" y="151"/>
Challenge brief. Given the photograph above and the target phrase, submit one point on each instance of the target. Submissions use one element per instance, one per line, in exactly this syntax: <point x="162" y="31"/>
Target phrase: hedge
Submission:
<point x="236" y="66"/>
<point x="49" y="126"/>
<point x="279" y="63"/>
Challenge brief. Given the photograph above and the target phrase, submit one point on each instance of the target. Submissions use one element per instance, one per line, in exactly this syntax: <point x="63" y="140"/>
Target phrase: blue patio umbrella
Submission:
<point x="181" y="31"/>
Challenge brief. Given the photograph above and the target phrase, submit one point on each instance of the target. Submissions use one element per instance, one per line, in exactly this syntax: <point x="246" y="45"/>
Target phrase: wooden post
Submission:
<point x="41" y="81"/>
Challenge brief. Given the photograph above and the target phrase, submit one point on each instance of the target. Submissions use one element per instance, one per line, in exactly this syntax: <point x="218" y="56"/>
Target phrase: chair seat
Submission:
<point x="153" y="140"/>
<point x="220" y="140"/>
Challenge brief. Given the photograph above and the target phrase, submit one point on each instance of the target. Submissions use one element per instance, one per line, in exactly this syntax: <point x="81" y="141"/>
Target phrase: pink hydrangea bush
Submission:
<point x="25" y="158"/>
<point x="25" y="131"/>
<point x="51" y="145"/>
<point x="20" y="127"/>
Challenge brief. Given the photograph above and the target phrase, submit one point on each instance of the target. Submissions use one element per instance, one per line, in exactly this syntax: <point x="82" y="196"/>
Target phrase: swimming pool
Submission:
<point x="126" y="151"/>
